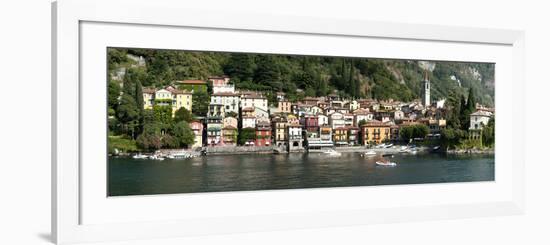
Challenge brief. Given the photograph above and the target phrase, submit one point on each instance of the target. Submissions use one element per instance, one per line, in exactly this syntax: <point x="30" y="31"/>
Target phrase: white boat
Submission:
<point x="388" y="163"/>
<point x="180" y="155"/>
<point x="139" y="156"/>
<point x="333" y="153"/>
<point x="156" y="157"/>
<point x="370" y="153"/>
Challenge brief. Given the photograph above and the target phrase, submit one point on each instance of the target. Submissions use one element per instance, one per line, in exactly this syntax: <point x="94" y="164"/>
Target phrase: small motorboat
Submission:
<point x="385" y="163"/>
<point x="179" y="155"/>
<point x="333" y="153"/>
<point x="369" y="153"/>
<point x="156" y="157"/>
<point x="139" y="156"/>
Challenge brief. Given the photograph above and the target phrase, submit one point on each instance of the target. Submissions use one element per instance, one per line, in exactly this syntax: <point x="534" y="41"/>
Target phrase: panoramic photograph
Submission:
<point x="184" y="121"/>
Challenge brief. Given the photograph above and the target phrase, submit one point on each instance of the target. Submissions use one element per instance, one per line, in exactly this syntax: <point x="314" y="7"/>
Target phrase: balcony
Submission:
<point x="294" y="137"/>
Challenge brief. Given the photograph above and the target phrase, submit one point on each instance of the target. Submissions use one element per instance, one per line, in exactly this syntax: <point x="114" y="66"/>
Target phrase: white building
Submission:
<point x="362" y="114"/>
<point x="479" y="119"/>
<point x="295" y="138"/>
<point x="316" y="110"/>
<point x="348" y="119"/>
<point x="255" y="101"/>
<point x="353" y="105"/>
<point x="336" y="120"/>
<point x="440" y="103"/>
<point x="221" y="85"/>
<point x="249" y="122"/>
<point x="229" y="100"/>
<point x="398" y="115"/>
<point x="323" y="119"/>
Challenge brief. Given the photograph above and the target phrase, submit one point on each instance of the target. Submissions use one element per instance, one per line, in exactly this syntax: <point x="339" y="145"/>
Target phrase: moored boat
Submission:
<point x="139" y="156"/>
<point x="332" y="153"/>
<point x="370" y="153"/>
<point x="385" y="163"/>
<point x="156" y="157"/>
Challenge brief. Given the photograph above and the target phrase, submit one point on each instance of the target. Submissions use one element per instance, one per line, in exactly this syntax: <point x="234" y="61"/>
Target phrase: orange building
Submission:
<point x="375" y="132"/>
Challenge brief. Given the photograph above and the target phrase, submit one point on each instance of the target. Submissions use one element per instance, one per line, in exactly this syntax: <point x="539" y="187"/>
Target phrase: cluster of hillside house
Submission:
<point x="311" y="123"/>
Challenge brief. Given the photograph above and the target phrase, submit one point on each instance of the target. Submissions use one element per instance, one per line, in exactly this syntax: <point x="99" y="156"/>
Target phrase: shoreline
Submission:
<point x="245" y="150"/>
<point x="470" y="151"/>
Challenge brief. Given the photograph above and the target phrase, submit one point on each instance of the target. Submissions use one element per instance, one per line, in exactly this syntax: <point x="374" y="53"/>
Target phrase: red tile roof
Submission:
<point x="200" y="82"/>
<point x="225" y="94"/>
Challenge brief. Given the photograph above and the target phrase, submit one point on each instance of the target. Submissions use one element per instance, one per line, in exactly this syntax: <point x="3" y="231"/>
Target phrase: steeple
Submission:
<point x="426" y="90"/>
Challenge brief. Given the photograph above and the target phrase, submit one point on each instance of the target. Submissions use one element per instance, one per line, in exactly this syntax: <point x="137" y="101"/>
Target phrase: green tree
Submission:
<point x="131" y="78"/>
<point x="127" y="113"/>
<point x="453" y="109"/>
<point x="362" y="122"/>
<point x="115" y="57"/>
<point x="468" y="108"/>
<point x="139" y="97"/>
<point x="488" y="133"/>
<point x="267" y="71"/>
<point x="168" y="141"/>
<point x="183" y="134"/>
<point x="183" y="115"/>
<point x="163" y="114"/>
<point x="406" y="133"/>
<point x="450" y="137"/>
<point x="420" y="131"/>
<point x="413" y="132"/>
<point x="113" y="94"/>
<point x="201" y="100"/>
<point x="148" y="141"/>
<point x="240" y="67"/>
<point x="245" y="135"/>
<point x="310" y="91"/>
<point x="471" y="103"/>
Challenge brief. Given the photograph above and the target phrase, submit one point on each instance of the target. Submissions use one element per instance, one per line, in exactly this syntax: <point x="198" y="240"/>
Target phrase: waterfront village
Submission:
<point x="309" y="124"/>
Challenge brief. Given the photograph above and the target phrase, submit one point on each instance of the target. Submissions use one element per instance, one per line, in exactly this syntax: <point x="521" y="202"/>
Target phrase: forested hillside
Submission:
<point x="309" y="75"/>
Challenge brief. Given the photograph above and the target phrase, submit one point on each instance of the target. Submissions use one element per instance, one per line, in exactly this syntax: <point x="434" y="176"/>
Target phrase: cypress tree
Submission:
<point x="139" y="104"/>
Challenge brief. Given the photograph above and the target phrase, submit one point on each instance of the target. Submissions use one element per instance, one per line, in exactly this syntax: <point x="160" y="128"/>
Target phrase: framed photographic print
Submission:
<point x="175" y="125"/>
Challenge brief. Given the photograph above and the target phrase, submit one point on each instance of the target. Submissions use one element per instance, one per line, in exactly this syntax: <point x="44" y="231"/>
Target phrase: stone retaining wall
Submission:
<point x="239" y="149"/>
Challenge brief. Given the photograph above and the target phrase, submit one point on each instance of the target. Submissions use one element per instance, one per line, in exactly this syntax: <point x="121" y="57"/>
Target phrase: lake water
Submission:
<point x="129" y="176"/>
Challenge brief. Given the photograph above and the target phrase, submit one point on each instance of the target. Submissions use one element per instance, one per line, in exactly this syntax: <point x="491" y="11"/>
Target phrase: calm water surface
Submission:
<point x="129" y="176"/>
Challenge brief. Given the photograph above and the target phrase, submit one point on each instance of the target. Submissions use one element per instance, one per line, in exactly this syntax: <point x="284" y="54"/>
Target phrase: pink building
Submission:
<point x="197" y="128"/>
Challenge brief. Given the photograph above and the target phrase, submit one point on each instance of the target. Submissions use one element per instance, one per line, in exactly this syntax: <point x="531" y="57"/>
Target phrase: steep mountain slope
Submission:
<point x="311" y="75"/>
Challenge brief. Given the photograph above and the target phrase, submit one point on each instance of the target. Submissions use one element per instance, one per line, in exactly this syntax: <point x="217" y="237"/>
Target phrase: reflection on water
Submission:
<point x="289" y="171"/>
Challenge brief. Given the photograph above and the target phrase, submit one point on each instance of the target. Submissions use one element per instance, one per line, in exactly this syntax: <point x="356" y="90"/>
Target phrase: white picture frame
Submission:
<point x="70" y="21"/>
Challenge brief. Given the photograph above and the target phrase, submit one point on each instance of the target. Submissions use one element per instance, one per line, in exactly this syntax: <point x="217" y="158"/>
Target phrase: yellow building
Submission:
<point x="148" y="98"/>
<point x="375" y="132"/>
<point x="182" y="99"/>
<point x="284" y="106"/>
<point x="279" y="131"/>
<point x="168" y="96"/>
<point x="340" y="136"/>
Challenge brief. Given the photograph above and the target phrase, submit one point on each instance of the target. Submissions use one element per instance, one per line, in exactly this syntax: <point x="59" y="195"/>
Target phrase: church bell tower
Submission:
<point x="426" y="90"/>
